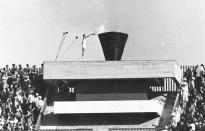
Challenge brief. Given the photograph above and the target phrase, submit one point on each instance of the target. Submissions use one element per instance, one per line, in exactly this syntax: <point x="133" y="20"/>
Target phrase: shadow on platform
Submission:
<point x="97" y="119"/>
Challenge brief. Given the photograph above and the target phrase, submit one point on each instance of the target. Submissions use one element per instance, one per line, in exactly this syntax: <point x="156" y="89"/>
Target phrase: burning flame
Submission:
<point x="101" y="29"/>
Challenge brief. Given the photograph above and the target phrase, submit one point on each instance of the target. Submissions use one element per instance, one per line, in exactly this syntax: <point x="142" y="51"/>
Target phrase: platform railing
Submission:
<point x="184" y="68"/>
<point x="169" y="86"/>
<point x="169" y="83"/>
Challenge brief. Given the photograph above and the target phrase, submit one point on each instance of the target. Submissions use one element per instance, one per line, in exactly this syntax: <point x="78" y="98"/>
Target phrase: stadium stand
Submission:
<point x="22" y="91"/>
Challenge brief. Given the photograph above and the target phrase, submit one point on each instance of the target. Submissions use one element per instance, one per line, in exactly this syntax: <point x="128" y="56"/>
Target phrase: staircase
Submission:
<point x="170" y="104"/>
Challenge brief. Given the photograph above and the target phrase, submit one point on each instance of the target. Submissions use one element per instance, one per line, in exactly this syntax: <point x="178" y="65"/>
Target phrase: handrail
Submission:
<point x="176" y="103"/>
<point x="38" y="123"/>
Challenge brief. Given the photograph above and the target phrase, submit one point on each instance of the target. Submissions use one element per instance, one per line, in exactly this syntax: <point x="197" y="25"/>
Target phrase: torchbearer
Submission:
<point x="84" y="42"/>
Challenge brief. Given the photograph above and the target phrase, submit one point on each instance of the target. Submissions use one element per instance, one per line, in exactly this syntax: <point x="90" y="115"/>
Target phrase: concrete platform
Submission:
<point x="92" y="107"/>
<point x="111" y="69"/>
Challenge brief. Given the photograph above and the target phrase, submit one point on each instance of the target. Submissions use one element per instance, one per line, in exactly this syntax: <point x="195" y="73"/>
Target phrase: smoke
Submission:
<point x="101" y="28"/>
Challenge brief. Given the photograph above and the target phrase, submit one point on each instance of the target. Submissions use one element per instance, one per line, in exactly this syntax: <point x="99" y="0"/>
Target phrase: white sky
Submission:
<point x="30" y="30"/>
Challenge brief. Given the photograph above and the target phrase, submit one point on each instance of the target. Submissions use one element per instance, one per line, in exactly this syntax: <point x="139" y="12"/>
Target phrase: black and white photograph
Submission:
<point x="102" y="65"/>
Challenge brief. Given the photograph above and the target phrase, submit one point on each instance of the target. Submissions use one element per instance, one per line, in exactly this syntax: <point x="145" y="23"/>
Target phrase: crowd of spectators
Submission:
<point x="22" y="90"/>
<point x="21" y="96"/>
<point x="192" y="102"/>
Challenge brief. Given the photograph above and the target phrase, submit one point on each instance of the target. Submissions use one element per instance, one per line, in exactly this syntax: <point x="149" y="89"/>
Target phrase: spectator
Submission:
<point x="19" y="108"/>
<point x="193" y="116"/>
<point x="184" y="93"/>
<point x="192" y="84"/>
